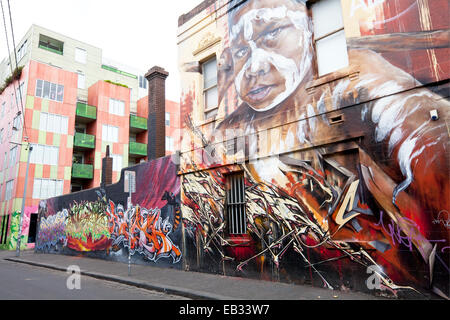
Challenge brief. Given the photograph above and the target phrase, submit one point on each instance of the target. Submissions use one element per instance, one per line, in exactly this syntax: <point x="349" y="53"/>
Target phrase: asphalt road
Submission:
<point x="24" y="282"/>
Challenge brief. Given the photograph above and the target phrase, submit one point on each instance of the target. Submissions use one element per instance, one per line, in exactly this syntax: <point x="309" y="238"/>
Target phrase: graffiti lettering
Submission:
<point x="101" y="226"/>
<point x="410" y="235"/>
<point x="148" y="232"/>
<point x="441" y="219"/>
<point x="52" y="230"/>
<point x="347" y="203"/>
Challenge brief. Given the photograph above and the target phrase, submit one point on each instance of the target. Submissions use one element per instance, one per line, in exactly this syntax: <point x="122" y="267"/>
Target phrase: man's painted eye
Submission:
<point x="241" y="52"/>
<point x="272" y="34"/>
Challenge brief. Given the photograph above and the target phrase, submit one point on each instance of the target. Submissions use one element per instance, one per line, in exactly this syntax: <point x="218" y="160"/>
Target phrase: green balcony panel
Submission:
<point x="86" y="112"/>
<point x="82" y="171"/>
<point x="137" y="149"/>
<point x="137" y="123"/>
<point x="83" y="140"/>
<point x="113" y="69"/>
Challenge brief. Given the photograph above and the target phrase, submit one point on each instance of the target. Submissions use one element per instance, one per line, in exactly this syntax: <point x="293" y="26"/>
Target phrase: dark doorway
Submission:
<point x="5" y="224"/>
<point x="32" y="229"/>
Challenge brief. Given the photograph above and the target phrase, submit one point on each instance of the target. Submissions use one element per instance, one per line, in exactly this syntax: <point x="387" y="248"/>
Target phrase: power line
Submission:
<point x="17" y="67"/>
<point x="11" y="67"/>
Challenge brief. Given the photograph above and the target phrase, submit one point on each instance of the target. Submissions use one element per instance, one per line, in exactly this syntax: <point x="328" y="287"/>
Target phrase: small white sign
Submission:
<point x="130" y="182"/>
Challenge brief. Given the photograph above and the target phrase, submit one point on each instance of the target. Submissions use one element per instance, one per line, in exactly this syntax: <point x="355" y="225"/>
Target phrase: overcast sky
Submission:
<point x="138" y="33"/>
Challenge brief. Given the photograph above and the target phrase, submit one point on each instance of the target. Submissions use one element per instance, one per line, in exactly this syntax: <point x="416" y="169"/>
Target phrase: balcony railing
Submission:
<point x="137" y="149"/>
<point x="86" y="112"/>
<point x="82" y="171"/>
<point x="84" y="141"/>
<point x="137" y="124"/>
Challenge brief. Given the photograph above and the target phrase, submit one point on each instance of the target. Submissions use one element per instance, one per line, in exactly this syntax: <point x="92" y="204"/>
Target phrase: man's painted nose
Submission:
<point x="259" y="64"/>
<point x="257" y="69"/>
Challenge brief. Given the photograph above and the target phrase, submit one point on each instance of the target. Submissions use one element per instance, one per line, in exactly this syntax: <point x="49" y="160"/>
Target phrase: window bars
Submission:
<point x="235" y="204"/>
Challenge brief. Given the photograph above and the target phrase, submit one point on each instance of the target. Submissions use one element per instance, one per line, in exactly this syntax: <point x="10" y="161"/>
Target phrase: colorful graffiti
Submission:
<point x="14" y="231"/>
<point x="107" y="228"/>
<point x="51" y="229"/>
<point x="95" y="226"/>
<point x="341" y="174"/>
<point x="87" y="227"/>
<point x="143" y="231"/>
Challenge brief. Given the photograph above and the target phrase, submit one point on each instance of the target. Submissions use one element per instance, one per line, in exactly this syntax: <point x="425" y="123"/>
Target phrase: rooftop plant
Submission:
<point x="17" y="72"/>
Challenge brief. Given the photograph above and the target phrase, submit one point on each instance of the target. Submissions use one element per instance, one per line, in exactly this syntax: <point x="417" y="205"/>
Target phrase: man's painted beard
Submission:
<point x="286" y="73"/>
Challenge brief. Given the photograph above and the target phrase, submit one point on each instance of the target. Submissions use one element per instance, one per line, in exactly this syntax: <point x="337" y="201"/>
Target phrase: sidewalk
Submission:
<point x="194" y="285"/>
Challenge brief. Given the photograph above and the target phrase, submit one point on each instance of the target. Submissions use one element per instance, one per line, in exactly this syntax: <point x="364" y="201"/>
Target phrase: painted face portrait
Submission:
<point x="271" y="51"/>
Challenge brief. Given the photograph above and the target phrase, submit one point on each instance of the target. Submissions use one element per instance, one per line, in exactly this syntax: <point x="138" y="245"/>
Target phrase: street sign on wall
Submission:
<point x="130" y="182"/>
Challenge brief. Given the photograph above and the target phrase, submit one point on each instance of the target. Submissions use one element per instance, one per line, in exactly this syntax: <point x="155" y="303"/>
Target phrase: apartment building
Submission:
<point x="74" y="103"/>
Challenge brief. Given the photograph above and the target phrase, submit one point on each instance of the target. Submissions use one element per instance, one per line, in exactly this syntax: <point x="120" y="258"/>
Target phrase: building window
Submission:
<point x="81" y="81"/>
<point x="142" y="82"/>
<point x="169" y="144"/>
<point x="80" y="55"/>
<point x="16" y="123"/>
<point x="51" y="44"/>
<point x="9" y="190"/>
<point x="12" y="156"/>
<point x="210" y="97"/>
<point x="110" y="133"/>
<point x="117" y="162"/>
<point x="19" y="93"/>
<point x="116" y="107"/>
<point x="329" y="36"/>
<point x="235" y="204"/>
<point x="80" y="127"/>
<point x="1" y="135"/>
<point x="48" y="90"/>
<point x="53" y="123"/>
<point x="3" y="108"/>
<point x="168" y="119"/>
<point x="22" y="50"/>
<point x="43" y="154"/>
<point x="47" y="188"/>
<point x="78" y="157"/>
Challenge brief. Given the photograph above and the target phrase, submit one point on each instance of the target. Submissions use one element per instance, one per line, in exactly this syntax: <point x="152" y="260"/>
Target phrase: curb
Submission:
<point x="179" y="291"/>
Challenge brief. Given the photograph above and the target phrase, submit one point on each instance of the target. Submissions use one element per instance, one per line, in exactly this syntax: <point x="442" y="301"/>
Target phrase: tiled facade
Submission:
<point x="65" y="124"/>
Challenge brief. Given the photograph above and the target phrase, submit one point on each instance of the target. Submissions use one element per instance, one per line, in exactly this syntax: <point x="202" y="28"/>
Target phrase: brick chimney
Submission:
<point x="107" y="169"/>
<point x="156" y="146"/>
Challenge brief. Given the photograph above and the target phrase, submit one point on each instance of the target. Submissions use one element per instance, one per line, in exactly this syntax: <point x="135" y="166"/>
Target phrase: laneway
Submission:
<point x="20" y="281"/>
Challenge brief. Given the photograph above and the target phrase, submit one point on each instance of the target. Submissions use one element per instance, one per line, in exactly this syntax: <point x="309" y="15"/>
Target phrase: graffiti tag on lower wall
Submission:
<point x="324" y="217"/>
<point x="108" y="227"/>
<point x="143" y="231"/>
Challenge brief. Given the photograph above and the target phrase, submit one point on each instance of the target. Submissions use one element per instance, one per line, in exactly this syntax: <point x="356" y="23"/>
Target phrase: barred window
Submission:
<point x="235" y="204"/>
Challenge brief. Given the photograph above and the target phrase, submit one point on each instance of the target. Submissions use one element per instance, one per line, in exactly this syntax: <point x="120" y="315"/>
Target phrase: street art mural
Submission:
<point x="102" y="222"/>
<point x="345" y="175"/>
<point x="9" y="225"/>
